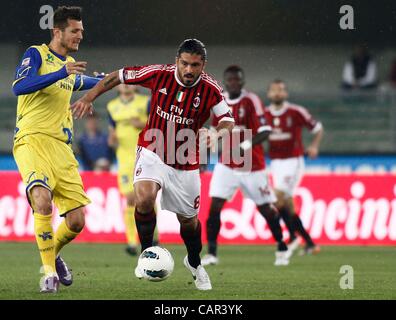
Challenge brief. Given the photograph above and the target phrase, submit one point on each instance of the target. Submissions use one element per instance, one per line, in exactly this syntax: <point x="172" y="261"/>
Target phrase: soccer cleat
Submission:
<point x="131" y="250"/>
<point x="200" y="276"/>
<point x="282" y="257"/>
<point x="309" y="250"/>
<point x="50" y="284"/>
<point x="293" y="245"/>
<point x="209" y="259"/>
<point x="138" y="274"/>
<point x="64" y="273"/>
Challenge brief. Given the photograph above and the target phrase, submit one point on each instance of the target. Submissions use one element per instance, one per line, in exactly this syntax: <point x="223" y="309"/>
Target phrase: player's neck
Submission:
<point x="233" y="96"/>
<point x="278" y="106"/>
<point x="58" y="48"/>
<point x="126" y="99"/>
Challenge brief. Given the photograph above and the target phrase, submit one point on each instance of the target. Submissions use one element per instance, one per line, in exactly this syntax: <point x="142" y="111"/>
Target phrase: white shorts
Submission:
<point x="287" y="174"/>
<point x="180" y="188"/>
<point x="254" y="185"/>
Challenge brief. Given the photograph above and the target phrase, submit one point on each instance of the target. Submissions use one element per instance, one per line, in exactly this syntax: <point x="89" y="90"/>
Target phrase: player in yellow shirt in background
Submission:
<point x="44" y="82"/>
<point x="128" y="114"/>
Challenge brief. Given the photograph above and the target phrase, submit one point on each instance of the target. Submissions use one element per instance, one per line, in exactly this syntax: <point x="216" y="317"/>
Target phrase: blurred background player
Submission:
<point x="128" y="114"/>
<point x="286" y="151"/>
<point x="228" y="176"/>
<point x="94" y="151"/>
<point x="44" y="82"/>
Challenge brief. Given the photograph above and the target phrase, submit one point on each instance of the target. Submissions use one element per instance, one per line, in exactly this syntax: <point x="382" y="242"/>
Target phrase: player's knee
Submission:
<point x="268" y="210"/>
<point x="41" y="200"/>
<point x="281" y="199"/>
<point x="145" y="204"/>
<point x="76" y="222"/>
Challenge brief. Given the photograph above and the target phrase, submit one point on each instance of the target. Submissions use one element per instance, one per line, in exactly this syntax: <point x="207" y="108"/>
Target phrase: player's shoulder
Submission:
<point x="211" y="82"/>
<point x="298" y="109"/>
<point x="254" y="100"/>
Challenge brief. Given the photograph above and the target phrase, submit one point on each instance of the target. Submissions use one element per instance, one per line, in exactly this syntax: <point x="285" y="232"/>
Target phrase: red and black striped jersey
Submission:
<point x="248" y="111"/>
<point x="177" y="112"/>
<point x="285" y="140"/>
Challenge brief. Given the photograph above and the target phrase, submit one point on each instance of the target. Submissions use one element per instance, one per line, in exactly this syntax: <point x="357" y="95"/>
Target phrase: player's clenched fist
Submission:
<point x="81" y="107"/>
<point x="77" y="67"/>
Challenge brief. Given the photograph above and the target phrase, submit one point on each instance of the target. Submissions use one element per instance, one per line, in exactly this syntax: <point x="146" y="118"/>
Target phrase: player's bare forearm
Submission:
<point x="313" y="149"/>
<point x="317" y="138"/>
<point x="258" y="138"/>
<point x="104" y="85"/>
<point x="84" y="106"/>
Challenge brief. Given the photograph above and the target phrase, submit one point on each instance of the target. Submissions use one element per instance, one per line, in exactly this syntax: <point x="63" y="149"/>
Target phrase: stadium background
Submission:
<point x="349" y="195"/>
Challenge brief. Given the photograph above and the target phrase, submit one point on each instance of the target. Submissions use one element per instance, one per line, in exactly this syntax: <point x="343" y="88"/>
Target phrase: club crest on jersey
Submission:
<point x="196" y="102"/>
<point x="276" y="122"/>
<point x="180" y="96"/>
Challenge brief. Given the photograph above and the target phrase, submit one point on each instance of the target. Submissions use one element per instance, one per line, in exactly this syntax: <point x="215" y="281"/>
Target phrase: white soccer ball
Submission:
<point x="155" y="264"/>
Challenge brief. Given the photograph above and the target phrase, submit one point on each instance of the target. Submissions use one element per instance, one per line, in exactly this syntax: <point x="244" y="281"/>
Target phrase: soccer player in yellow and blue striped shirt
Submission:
<point x="44" y="82"/>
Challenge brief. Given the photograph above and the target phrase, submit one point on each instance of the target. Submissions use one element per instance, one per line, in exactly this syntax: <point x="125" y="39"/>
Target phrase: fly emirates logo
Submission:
<point x="175" y="115"/>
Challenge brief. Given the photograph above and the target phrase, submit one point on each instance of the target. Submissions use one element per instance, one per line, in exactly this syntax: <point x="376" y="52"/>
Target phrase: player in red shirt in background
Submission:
<point x="249" y="175"/>
<point x="182" y="98"/>
<point x="286" y="151"/>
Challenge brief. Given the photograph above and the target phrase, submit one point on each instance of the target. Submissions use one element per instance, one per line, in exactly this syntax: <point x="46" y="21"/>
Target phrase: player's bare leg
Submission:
<point x="271" y="215"/>
<point x="41" y="201"/>
<point x="213" y="224"/>
<point x="68" y="230"/>
<point x="190" y="231"/>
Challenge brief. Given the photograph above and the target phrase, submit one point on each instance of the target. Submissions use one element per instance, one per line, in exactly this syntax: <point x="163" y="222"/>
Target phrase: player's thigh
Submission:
<point x="146" y="194"/>
<point x="286" y="174"/>
<point x="181" y="192"/>
<point x="30" y="154"/>
<point x="69" y="191"/>
<point x="224" y="182"/>
<point x="255" y="186"/>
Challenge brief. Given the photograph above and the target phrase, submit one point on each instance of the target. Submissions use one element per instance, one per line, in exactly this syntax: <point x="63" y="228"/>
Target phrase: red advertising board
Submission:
<point x="336" y="209"/>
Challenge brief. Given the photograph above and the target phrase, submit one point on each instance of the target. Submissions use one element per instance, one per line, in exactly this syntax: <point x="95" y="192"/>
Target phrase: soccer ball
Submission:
<point x="155" y="264"/>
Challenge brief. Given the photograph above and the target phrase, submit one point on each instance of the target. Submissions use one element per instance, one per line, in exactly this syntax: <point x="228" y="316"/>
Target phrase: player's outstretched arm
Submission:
<point x="257" y="139"/>
<point x="84" y="105"/>
<point x="27" y="79"/>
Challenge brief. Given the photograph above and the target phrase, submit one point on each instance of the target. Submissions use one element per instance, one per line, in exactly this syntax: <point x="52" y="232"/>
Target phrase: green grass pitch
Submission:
<point x="105" y="271"/>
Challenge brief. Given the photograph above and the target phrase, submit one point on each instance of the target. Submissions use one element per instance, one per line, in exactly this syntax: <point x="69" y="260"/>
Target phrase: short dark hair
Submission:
<point x="192" y="46"/>
<point x="63" y="13"/>
<point x="277" y="81"/>
<point x="234" y="69"/>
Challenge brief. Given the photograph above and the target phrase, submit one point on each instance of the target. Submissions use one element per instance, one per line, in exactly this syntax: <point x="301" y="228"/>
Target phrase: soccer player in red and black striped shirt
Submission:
<point x="183" y="96"/>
